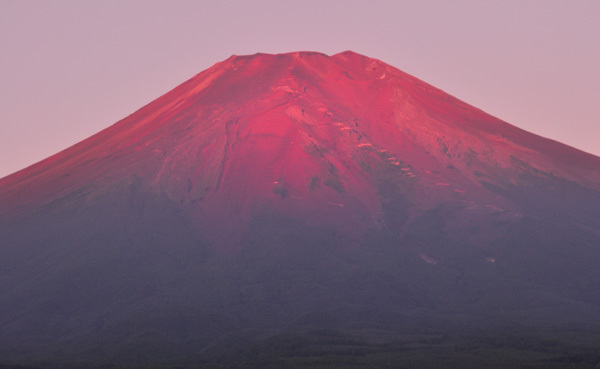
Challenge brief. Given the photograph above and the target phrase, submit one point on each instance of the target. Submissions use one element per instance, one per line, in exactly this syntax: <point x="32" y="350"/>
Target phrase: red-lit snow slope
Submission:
<point x="342" y="141"/>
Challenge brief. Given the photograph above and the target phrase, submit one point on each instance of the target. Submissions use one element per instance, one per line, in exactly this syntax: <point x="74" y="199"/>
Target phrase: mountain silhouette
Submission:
<point x="284" y="202"/>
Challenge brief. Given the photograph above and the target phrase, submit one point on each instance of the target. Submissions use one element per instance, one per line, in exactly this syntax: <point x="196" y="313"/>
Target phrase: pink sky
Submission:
<point x="71" y="68"/>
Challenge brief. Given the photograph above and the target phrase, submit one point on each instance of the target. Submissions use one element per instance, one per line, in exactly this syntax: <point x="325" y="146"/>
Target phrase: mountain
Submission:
<point x="302" y="209"/>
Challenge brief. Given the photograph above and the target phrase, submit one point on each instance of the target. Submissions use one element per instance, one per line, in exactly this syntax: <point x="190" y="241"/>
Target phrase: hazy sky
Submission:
<point x="71" y="68"/>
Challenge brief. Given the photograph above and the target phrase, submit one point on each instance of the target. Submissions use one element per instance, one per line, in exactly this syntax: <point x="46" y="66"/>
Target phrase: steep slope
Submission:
<point x="283" y="192"/>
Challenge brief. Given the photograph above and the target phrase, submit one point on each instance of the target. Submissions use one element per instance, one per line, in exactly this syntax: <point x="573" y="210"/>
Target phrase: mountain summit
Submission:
<point x="278" y="194"/>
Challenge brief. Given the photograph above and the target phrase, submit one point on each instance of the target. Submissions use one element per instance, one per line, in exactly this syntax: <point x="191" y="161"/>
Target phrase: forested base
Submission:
<point x="335" y="349"/>
<point x="383" y="349"/>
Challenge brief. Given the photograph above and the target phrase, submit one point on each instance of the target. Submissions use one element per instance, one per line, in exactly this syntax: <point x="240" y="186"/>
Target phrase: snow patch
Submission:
<point x="494" y="207"/>
<point x="426" y="258"/>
